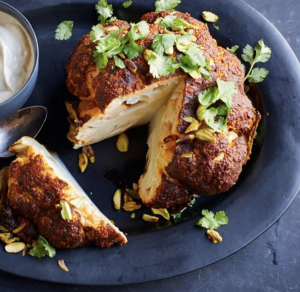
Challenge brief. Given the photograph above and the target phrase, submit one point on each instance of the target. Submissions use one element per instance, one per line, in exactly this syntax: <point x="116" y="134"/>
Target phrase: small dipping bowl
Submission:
<point x="10" y="106"/>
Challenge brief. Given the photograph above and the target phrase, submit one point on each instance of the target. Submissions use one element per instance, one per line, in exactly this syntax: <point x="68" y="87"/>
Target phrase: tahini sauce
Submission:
<point x="16" y="56"/>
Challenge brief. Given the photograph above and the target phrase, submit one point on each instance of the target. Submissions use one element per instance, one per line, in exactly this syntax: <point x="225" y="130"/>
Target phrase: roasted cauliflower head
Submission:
<point x="182" y="159"/>
<point x="38" y="182"/>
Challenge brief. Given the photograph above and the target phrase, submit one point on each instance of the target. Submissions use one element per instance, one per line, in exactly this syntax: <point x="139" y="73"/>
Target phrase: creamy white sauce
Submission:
<point x="16" y="56"/>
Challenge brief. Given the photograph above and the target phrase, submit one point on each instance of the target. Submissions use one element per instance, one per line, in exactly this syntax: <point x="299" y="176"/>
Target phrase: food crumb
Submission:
<point x="63" y="266"/>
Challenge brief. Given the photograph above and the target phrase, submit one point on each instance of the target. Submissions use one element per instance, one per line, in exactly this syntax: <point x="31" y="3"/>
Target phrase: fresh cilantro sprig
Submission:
<point x="260" y="53"/>
<point x="164" y="43"/>
<point x="177" y="216"/>
<point x="224" y="92"/>
<point x="233" y="49"/>
<point x="172" y="20"/>
<point x="104" y="10"/>
<point x="161" y="65"/>
<point x="126" y="4"/>
<point x="64" y="30"/>
<point x="212" y="221"/>
<point x="194" y="63"/>
<point x="42" y="248"/>
<point x="162" y="5"/>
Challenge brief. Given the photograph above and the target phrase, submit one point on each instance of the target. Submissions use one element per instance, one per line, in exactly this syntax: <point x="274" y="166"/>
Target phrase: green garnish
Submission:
<point x="233" y="49"/>
<point x="126" y="4"/>
<point x="119" y="63"/>
<point x="209" y="16"/>
<point x="64" y="30"/>
<point x="171" y="21"/>
<point x="260" y="53"/>
<point x="65" y="212"/>
<point x="42" y="249"/>
<point x="224" y="92"/>
<point x="105" y="10"/>
<point x="162" y="5"/>
<point x="97" y="32"/>
<point x="114" y="18"/>
<point x="161" y="65"/>
<point x="211" y="221"/>
<point x="194" y="63"/>
<point x="177" y="216"/>
<point x="164" y="43"/>
<point x="216" y="27"/>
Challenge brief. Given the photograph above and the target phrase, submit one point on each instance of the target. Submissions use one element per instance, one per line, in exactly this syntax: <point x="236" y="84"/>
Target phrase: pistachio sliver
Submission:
<point x="186" y="155"/>
<point x="205" y="135"/>
<point x="194" y="124"/>
<point x="150" y="218"/>
<point x="83" y="162"/>
<point x="117" y="199"/>
<point x="209" y="16"/>
<point x="63" y="266"/>
<point x="77" y="202"/>
<point x="148" y="54"/>
<point x="220" y="157"/>
<point x="185" y="139"/>
<point x="131" y="206"/>
<point x="132" y="216"/>
<point x="200" y="111"/>
<point x="130" y="65"/>
<point x="18" y="229"/>
<point x="65" y="212"/>
<point x="162" y="212"/>
<point x="122" y="143"/>
<point x="127" y="198"/>
<point x="133" y="194"/>
<point x="3" y="229"/>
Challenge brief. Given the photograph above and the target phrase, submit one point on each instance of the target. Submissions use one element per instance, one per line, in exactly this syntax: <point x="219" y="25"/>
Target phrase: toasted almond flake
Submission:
<point x="117" y="199"/>
<point x="63" y="266"/>
<point x="150" y="218"/>
<point x="132" y="215"/>
<point x="14" y="247"/>
<point x="131" y="206"/>
<point x="18" y="229"/>
<point x="162" y="212"/>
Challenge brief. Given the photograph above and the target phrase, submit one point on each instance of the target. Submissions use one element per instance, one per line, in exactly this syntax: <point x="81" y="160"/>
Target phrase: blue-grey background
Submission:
<point x="271" y="263"/>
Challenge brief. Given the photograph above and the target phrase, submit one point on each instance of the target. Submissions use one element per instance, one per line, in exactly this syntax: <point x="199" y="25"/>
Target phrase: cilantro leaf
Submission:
<point x="162" y="5"/>
<point x="132" y="50"/>
<point x="163" y="43"/>
<point x="64" y="30"/>
<point x="208" y="96"/>
<point x="221" y="218"/>
<point x="209" y="117"/>
<point x="42" y="248"/>
<point x="104" y="10"/>
<point x="226" y="91"/>
<point x="100" y="59"/>
<point x="261" y="53"/>
<point x="126" y="4"/>
<point x="258" y="75"/>
<point x="183" y="42"/>
<point x="167" y="21"/>
<point x="112" y="19"/>
<point x="139" y="30"/>
<point x="97" y="32"/>
<point x="211" y="221"/>
<point x="119" y="63"/>
<point x="233" y="49"/>
<point x="180" y="22"/>
<point x="161" y="66"/>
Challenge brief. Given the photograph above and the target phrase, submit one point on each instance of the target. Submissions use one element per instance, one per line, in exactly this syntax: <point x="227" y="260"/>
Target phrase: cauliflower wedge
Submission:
<point x="38" y="182"/>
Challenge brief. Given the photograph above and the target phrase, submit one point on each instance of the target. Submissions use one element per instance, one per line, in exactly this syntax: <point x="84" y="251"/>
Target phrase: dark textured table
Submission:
<point x="270" y="263"/>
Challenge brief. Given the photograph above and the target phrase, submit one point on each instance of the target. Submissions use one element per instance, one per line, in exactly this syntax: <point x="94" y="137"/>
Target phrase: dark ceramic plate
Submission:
<point x="266" y="188"/>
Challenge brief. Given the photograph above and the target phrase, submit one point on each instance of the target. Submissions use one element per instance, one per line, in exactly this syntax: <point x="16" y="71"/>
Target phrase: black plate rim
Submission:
<point x="295" y="192"/>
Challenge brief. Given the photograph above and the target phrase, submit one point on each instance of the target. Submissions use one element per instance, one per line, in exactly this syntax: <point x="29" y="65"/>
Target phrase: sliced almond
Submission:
<point x="77" y="202"/>
<point x="14" y="247"/>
